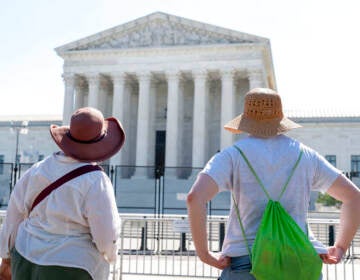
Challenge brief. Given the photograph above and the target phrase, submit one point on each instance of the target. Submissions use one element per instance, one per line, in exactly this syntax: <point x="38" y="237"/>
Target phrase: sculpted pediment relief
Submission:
<point x="157" y="30"/>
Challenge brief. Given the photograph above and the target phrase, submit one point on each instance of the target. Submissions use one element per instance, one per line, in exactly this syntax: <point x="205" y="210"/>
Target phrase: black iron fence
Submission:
<point x="138" y="189"/>
<point x="141" y="189"/>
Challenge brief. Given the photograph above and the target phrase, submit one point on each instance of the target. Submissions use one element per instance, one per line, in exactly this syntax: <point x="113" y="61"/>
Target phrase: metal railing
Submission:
<point x="163" y="247"/>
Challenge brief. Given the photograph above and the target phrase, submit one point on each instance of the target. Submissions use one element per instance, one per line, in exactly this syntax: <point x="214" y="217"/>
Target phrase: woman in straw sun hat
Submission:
<point x="272" y="155"/>
<point x="68" y="231"/>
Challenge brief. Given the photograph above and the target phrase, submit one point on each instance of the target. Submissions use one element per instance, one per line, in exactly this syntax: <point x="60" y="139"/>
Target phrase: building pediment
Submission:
<point x="160" y="30"/>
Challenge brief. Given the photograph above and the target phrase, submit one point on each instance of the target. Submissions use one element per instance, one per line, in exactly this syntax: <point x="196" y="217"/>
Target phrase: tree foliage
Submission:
<point x="328" y="200"/>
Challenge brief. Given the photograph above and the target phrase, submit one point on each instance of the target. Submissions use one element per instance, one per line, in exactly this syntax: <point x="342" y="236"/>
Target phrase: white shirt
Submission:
<point x="272" y="160"/>
<point x="77" y="225"/>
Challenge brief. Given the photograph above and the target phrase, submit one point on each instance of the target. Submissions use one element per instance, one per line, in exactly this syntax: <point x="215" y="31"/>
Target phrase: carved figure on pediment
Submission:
<point x="163" y="34"/>
<point x="146" y="39"/>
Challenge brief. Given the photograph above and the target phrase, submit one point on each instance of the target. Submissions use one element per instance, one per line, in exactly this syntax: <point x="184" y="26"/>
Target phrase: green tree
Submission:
<point x="328" y="200"/>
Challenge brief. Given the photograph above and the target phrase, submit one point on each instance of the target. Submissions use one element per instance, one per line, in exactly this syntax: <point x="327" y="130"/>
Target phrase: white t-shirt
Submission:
<point x="272" y="159"/>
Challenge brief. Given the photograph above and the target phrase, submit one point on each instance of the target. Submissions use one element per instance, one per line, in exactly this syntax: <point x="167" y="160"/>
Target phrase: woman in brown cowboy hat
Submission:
<point x="66" y="227"/>
<point x="272" y="156"/>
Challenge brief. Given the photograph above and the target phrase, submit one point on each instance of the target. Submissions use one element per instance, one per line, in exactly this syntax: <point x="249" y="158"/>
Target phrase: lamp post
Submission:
<point x="18" y="129"/>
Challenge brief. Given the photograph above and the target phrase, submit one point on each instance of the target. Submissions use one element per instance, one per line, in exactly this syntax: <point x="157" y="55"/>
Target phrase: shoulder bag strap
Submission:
<point x="67" y="177"/>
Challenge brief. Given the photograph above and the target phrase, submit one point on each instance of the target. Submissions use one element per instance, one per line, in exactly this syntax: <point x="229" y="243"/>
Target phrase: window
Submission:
<point x="331" y="159"/>
<point x="355" y="166"/>
<point x="41" y="157"/>
<point x="1" y="164"/>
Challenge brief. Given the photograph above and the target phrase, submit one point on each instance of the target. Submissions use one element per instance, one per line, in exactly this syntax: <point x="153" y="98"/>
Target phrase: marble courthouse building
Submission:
<point x="173" y="82"/>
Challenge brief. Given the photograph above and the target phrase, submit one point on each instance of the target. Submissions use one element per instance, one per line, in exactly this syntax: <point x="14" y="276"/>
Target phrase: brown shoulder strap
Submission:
<point x="67" y="177"/>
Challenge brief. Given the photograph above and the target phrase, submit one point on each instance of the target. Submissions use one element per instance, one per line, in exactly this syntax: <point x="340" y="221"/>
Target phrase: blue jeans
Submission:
<point x="238" y="270"/>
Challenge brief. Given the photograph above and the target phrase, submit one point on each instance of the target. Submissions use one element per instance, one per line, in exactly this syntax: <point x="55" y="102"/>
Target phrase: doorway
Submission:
<point x="160" y="142"/>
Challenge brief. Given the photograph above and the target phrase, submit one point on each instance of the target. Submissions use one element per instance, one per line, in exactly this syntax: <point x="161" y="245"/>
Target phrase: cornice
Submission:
<point x="256" y="49"/>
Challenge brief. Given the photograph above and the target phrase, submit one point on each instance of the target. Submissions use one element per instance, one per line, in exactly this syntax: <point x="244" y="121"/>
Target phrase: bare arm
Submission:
<point x="203" y="190"/>
<point x="346" y="192"/>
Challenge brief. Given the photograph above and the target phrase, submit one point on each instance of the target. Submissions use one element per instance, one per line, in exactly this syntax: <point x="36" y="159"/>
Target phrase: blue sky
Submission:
<point x="315" y="44"/>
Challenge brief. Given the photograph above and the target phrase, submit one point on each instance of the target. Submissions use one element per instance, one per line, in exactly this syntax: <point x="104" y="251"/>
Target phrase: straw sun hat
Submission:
<point x="263" y="115"/>
<point x="89" y="137"/>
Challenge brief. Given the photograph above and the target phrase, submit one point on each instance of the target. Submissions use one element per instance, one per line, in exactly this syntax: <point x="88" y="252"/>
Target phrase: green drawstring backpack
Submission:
<point x="281" y="250"/>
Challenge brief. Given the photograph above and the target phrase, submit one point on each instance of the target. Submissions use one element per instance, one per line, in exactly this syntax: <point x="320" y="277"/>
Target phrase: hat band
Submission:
<point x="95" y="140"/>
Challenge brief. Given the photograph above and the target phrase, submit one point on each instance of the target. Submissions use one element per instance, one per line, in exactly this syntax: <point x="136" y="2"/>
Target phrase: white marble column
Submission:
<point x="143" y="123"/>
<point x="118" y="105"/>
<point x="79" y="95"/>
<point x="256" y="79"/>
<point x="199" y="119"/>
<point x="172" y="121"/>
<point x="227" y="107"/>
<point x="94" y="88"/>
<point x="69" y="80"/>
<point x="103" y="93"/>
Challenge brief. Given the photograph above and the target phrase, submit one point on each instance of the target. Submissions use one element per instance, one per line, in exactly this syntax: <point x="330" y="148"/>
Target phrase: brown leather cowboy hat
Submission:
<point x="263" y="115"/>
<point x="89" y="137"/>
